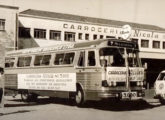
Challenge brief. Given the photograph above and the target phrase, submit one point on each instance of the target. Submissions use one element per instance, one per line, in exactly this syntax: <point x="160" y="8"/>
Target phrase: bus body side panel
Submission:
<point x="11" y="79"/>
<point x="90" y="79"/>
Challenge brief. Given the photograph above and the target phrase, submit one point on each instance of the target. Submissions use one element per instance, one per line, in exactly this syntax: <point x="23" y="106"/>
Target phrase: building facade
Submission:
<point x="8" y="30"/>
<point x="43" y="28"/>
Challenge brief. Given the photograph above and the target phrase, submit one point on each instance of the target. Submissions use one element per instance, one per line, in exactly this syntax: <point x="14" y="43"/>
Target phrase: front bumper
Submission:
<point x="117" y="93"/>
<point x="159" y="96"/>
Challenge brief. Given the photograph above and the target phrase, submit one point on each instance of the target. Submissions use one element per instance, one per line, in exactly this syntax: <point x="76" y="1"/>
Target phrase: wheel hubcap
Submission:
<point x="78" y="97"/>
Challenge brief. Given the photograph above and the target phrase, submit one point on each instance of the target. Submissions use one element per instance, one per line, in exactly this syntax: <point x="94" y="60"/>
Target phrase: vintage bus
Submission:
<point x="93" y="70"/>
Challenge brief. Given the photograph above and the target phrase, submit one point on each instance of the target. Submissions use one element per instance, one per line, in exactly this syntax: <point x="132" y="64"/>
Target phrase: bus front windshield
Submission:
<point x="116" y="57"/>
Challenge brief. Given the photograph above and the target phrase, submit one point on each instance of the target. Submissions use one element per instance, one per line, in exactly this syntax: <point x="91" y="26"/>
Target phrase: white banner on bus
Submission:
<point x="119" y="74"/>
<point x="48" y="81"/>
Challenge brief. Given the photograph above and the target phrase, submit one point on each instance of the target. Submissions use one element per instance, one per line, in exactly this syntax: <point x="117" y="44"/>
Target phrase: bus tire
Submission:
<point x="28" y="97"/>
<point x="162" y="101"/>
<point x="24" y="96"/>
<point x="79" y="97"/>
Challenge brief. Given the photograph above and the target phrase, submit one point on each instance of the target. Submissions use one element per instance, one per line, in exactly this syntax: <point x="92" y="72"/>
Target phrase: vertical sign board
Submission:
<point x="48" y="81"/>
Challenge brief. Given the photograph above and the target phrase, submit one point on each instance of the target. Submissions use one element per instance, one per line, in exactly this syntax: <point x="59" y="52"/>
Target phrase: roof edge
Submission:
<point x="25" y="13"/>
<point x="9" y="7"/>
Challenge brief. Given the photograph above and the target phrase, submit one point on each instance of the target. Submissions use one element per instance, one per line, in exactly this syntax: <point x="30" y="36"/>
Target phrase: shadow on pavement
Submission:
<point x="20" y="103"/>
<point x="121" y="105"/>
<point x="21" y="111"/>
<point x="109" y="105"/>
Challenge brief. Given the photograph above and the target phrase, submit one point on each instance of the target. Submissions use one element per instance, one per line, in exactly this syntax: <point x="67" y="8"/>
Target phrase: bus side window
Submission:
<point x="9" y="62"/>
<point x="81" y="61"/>
<point x="68" y="59"/>
<point x="59" y="59"/>
<point x="20" y="62"/>
<point x="38" y="60"/>
<point x="24" y="61"/>
<point x="27" y="61"/>
<point x="42" y="60"/>
<point x="91" y="58"/>
<point x="46" y="59"/>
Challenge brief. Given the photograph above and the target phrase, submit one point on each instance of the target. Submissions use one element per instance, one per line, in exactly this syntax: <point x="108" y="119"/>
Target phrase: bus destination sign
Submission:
<point x="122" y="44"/>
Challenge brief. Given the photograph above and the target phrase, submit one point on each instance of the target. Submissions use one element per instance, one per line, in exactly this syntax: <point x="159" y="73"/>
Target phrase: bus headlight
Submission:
<point x="138" y="83"/>
<point x="113" y="83"/>
<point x="105" y="83"/>
<point x="141" y="83"/>
<point x="110" y="83"/>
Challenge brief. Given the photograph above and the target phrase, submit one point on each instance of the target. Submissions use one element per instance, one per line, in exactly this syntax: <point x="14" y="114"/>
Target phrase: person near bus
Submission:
<point x="1" y="84"/>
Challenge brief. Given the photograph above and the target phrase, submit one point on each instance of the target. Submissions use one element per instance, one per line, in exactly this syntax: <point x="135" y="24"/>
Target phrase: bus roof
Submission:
<point x="60" y="47"/>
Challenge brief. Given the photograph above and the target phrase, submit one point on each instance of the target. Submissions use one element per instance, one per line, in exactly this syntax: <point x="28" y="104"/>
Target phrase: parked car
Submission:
<point x="160" y="87"/>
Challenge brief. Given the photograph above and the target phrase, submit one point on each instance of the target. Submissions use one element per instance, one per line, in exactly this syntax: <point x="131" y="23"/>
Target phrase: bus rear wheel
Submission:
<point x="28" y="97"/>
<point x="79" y="98"/>
<point x="162" y="100"/>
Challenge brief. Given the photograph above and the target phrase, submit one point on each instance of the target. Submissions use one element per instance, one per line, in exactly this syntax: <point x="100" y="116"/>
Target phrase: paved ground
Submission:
<point x="61" y="109"/>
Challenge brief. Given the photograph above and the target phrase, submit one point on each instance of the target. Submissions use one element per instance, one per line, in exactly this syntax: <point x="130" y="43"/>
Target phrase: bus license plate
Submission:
<point x="129" y="94"/>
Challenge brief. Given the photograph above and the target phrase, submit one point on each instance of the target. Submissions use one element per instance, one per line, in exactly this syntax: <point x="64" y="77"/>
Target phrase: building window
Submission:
<point x="101" y="36"/>
<point x="55" y="35"/>
<point x="134" y="40"/>
<point x="2" y="24"/>
<point x="145" y="43"/>
<point x="163" y="45"/>
<point x="80" y="36"/>
<point x="69" y="36"/>
<point x="40" y="33"/>
<point x="156" y="44"/>
<point x="110" y="36"/>
<point x="24" y="32"/>
<point x="86" y="36"/>
<point x="94" y="36"/>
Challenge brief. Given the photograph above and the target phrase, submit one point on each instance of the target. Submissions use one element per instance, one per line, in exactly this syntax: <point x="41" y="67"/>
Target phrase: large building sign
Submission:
<point x="145" y="34"/>
<point x="91" y="28"/>
<point x="112" y="30"/>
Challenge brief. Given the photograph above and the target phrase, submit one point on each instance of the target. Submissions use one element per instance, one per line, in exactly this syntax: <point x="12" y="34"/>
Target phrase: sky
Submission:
<point x="139" y="11"/>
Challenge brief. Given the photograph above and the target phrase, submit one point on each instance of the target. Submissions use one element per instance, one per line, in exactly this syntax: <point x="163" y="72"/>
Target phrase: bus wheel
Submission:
<point x="24" y="96"/>
<point x="28" y="97"/>
<point x="79" y="98"/>
<point x="162" y="100"/>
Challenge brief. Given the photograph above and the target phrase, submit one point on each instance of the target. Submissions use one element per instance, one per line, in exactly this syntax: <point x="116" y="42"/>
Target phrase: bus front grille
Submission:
<point x="132" y="84"/>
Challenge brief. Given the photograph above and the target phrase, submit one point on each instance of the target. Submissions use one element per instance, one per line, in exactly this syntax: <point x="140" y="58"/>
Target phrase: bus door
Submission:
<point x="87" y="72"/>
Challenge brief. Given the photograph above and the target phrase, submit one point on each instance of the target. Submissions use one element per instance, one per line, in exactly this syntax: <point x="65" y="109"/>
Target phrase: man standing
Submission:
<point x="1" y="86"/>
